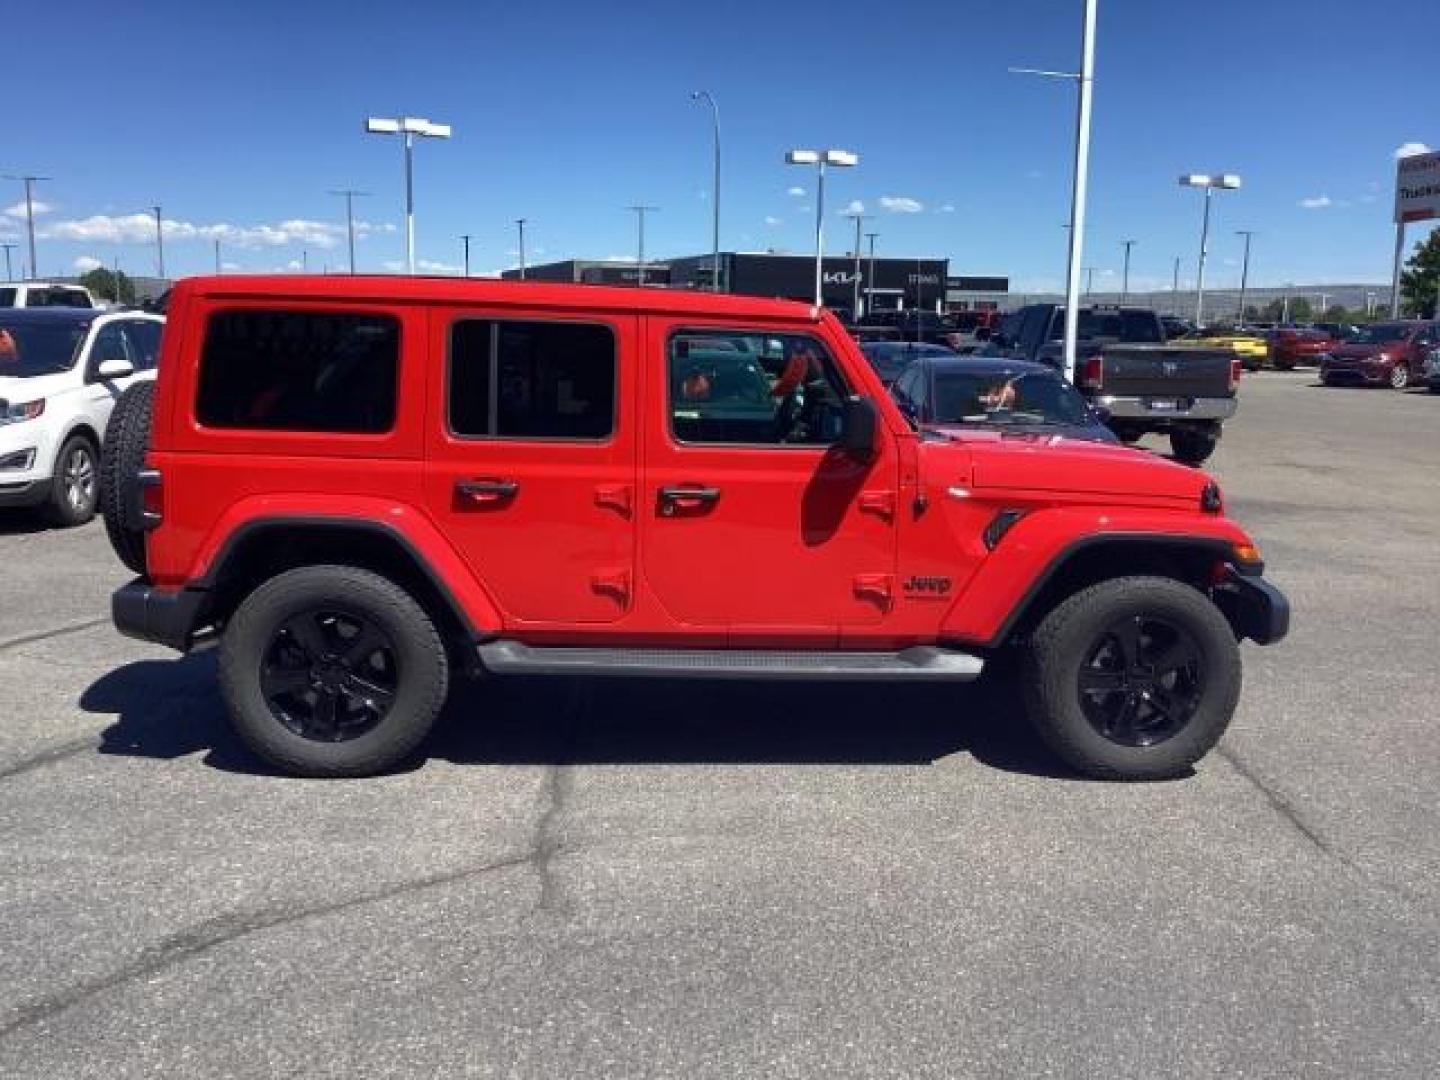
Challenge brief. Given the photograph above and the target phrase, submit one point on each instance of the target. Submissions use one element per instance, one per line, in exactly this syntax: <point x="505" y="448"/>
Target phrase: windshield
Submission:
<point x="28" y="349"/>
<point x="965" y="397"/>
<point x="1380" y="333"/>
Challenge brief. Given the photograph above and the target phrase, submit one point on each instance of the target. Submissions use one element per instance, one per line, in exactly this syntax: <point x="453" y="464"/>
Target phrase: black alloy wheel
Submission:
<point x="329" y="675"/>
<point x="1141" y="681"/>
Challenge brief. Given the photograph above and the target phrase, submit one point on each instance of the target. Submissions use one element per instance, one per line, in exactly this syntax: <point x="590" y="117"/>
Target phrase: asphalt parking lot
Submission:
<point x="611" y="879"/>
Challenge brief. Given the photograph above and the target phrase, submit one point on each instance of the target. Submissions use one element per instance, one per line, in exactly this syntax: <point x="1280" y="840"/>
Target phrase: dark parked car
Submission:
<point x="890" y="358"/>
<point x="969" y="392"/>
<point x="1292" y="345"/>
<point x="917" y="325"/>
<point x="1389" y="354"/>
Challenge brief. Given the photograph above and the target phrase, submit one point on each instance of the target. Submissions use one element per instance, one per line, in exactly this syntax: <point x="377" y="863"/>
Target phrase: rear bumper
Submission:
<point x="145" y="613"/>
<point x="1140" y="408"/>
<point x="1256" y="609"/>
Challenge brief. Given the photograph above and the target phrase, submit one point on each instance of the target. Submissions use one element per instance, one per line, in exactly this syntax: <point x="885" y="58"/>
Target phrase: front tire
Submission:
<point x="332" y="671"/>
<point x="1132" y="679"/>
<point x="75" y="484"/>
<point x="1194" y="446"/>
<point x="1399" y="377"/>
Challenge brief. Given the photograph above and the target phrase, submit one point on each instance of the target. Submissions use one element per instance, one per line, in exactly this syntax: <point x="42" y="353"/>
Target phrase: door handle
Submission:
<point x="486" y="491"/>
<point x="672" y="497"/>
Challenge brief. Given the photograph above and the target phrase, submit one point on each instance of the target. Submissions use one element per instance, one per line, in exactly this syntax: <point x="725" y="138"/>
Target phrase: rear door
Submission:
<point x="753" y="522"/>
<point x="530" y="466"/>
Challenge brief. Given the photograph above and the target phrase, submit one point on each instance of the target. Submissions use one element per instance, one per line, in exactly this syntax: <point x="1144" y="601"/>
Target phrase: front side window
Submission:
<point x="144" y="338"/>
<point x="756" y="388"/>
<point x="532" y="380"/>
<point x="299" y="371"/>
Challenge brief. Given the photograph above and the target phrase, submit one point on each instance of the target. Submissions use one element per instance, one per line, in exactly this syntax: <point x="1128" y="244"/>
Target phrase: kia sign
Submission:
<point x="1417" y="188"/>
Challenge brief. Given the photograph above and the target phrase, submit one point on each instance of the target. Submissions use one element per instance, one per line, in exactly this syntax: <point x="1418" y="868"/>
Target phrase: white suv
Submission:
<point x="61" y="371"/>
<point x="45" y="294"/>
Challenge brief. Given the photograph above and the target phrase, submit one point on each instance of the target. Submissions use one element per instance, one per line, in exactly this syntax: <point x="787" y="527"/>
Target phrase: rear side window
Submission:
<point x="299" y="371"/>
<point x="531" y="380"/>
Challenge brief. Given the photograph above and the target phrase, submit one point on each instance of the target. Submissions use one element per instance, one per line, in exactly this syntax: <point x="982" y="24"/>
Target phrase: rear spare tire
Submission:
<point x="127" y="437"/>
<point x="1132" y="679"/>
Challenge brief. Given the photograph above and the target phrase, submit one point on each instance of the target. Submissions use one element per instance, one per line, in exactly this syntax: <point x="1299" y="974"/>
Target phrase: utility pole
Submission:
<point x="1125" y="278"/>
<point x="855" y="302"/>
<point x="9" y="274"/>
<point x="1089" y="280"/>
<point x="704" y="95"/>
<point x="1175" y="286"/>
<point x="640" y="212"/>
<point x="159" y="242"/>
<point x="30" y="182"/>
<point x="217" y="256"/>
<point x="1244" y="269"/>
<point x="870" y="276"/>
<point x="350" y="195"/>
<point x="520" y="223"/>
<point x="466" y="238"/>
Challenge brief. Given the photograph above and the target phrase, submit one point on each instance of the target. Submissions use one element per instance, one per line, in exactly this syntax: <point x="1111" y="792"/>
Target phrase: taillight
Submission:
<point x="1235" y="368"/>
<point x="1092" y="375"/>
<point x="151" y="498"/>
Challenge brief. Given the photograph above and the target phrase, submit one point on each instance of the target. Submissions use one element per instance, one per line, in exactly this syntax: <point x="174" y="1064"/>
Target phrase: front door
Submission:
<point x="753" y="522"/>
<point x="531" y="459"/>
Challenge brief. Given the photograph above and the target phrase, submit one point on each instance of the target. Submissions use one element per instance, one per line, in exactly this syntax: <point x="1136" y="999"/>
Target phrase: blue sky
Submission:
<point x="237" y="119"/>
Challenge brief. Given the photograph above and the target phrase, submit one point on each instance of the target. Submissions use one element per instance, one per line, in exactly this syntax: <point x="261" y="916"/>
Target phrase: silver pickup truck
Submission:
<point x="1137" y="381"/>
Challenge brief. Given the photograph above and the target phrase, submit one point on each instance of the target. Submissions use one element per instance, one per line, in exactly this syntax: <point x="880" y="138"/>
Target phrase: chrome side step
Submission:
<point x="920" y="662"/>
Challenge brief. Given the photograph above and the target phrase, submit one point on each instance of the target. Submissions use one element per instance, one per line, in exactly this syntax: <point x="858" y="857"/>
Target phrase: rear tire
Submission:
<point x="1284" y="365"/>
<point x="75" y="483"/>
<point x="127" y="438"/>
<point x="1147" y="718"/>
<point x="1193" y="446"/>
<point x="332" y="671"/>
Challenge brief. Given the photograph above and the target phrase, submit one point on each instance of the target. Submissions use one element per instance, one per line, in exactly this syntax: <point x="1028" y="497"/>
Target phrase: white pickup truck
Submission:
<point x="29" y="294"/>
<point x="61" y="371"/>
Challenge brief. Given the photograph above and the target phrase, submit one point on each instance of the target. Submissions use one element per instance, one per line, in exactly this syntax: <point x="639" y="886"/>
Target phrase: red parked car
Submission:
<point x="363" y="485"/>
<point x="1389" y="354"/>
<point x="1292" y="345"/>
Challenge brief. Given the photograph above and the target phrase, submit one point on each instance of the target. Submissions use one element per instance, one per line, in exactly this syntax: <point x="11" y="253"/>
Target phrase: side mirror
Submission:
<point x="114" y="368"/>
<point x="858" y="436"/>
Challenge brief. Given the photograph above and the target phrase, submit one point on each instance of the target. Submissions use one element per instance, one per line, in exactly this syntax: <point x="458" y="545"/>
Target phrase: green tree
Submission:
<point x="1301" y="309"/>
<point x="1420" y="281"/>
<point x="1338" y="313"/>
<point x="109" y="285"/>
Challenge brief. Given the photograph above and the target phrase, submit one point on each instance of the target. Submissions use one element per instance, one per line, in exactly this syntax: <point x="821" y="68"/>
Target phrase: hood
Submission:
<point x="35" y="387"/>
<point x="1360" y="352"/>
<point x="1054" y="463"/>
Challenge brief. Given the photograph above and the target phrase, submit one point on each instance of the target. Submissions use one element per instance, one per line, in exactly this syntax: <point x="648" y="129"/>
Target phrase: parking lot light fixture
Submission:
<point x="159" y="241"/>
<point x="870" y="276"/>
<point x="1244" y="269"/>
<point x="704" y="95"/>
<point x="640" y="212"/>
<point x="409" y="127"/>
<point x="350" y="195"/>
<point x="1125" y="278"/>
<point x="520" y="224"/>
<point x="30" y="182"/>
<point x="1208" y="181"/>
<point x="840" y="159"/>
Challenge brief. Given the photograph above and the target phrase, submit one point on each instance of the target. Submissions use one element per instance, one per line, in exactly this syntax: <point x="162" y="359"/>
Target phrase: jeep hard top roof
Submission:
<point x="385" y="288"/>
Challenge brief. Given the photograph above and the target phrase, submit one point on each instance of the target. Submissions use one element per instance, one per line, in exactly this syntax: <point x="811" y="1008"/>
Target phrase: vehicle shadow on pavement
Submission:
<point x="21" y="522"/>
<point x="170" y="709"/>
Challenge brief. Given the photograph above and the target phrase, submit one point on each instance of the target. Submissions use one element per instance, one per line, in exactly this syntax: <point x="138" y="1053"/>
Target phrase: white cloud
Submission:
<point x="294" y="264"/>
<point x="855" y="207"/>
<point x="901" y="204"/>
<point x="1317" y="202"/>
<point x="140" y="228"/>
<point x="86" y="263"/>
<point x="229" y="266"/>
<point x="770" y="219"/>
<point x="1410" y="149"/>
<point x="948" y="208"/>
<point x="798" y="192"/>
<point x="426" y="266"/>
<point x="18" y="210"/>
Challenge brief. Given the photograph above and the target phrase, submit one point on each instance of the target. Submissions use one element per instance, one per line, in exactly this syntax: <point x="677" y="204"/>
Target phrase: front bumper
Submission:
<point x="1143" y="408"/>
<point x="23" y="492"/>
<point x="1256" y="609"/>
<point x="144" y="612"/>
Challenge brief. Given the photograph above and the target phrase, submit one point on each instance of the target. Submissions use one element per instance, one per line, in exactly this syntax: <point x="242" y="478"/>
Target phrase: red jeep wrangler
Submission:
<point x="360" y="485"/>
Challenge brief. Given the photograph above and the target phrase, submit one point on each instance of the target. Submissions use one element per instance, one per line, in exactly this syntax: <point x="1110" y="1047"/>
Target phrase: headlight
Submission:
<point x="12" y="412"/>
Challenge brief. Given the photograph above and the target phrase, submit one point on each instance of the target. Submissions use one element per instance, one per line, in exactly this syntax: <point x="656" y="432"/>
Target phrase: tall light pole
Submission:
<point x="409" y="127"/>
<point x="1125" y="278"/>
<point x="217" y="256"/>
<point x="1244" y="268"/>
<point x="1085" y="80"/>
<point x="640" y="212"/>
<point x="159" y="241"/>
<point x="841" y="159"/>
<point x="704" y="95"/>
<point x="350" y="195"/>
<point x="870" y="276"/>
<point x="1175" y="287"/>
<point x="1089" y="280"/>
<point x="9" y="274"/>
<point x="1208" y="181"/>
<point x="30" y="182"/>
<point x="520" y="224"/>
<point x="855" y="301"/>
<point x="465" y="239"/>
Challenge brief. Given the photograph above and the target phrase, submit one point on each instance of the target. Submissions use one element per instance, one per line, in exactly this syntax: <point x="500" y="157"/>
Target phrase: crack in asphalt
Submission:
<point x="548" y="846"/>
<point x="48" y="756"/>
<point x="212" y="933"/>
<point x="43" y="635"/>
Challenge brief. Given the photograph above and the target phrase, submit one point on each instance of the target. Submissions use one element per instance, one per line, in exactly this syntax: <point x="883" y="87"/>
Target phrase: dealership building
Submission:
<point x="896" y="283"/>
